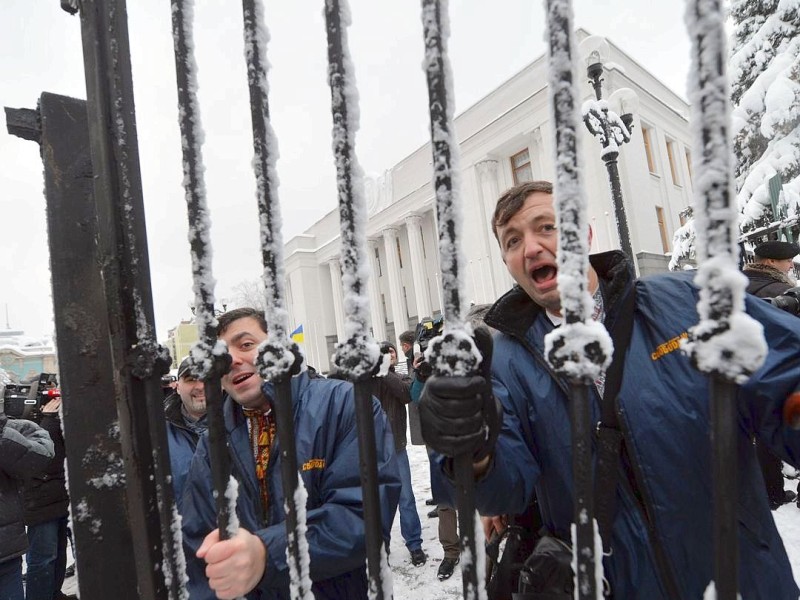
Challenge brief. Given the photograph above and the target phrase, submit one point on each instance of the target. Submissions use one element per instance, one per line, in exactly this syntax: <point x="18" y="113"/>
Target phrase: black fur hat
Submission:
<point x="777" y="250"/>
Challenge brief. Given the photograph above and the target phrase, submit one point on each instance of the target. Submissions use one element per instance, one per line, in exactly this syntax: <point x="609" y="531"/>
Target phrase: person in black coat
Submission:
<point x="25" y="451"/>
<point x="769" y="273"/>
<point x="46" y="516"/>
<point x="394" y="393"/>
<point x="769" y="277"/>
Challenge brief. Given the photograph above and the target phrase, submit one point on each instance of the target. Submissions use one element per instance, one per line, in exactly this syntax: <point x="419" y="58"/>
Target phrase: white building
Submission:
<point x="504" y="138"/>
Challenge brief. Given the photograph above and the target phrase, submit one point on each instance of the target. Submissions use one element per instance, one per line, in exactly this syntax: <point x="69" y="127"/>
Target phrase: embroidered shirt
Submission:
<point x="261" y="427"/>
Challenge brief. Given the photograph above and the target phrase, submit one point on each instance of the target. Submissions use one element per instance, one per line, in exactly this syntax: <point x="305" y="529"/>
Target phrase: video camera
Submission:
<point x="25" y="400"/>
<point x="427" y="329"/>
<point x="788" y="301"/>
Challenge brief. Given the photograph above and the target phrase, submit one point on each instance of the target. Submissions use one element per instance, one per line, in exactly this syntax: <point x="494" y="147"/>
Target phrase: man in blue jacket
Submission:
<point x="661" y="541"/>
<point x="253" y="561"/>
<point x="185" y="410"/>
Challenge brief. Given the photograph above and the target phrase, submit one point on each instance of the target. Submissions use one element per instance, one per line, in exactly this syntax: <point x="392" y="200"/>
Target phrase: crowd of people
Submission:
<point x="513" y="419"/>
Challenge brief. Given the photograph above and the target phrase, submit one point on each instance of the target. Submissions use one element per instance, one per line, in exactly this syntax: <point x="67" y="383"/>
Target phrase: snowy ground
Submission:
<point x="420" y="583"/>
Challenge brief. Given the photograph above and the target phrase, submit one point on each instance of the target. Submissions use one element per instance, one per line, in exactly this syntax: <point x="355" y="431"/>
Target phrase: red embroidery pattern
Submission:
<point x="262" y="431"/>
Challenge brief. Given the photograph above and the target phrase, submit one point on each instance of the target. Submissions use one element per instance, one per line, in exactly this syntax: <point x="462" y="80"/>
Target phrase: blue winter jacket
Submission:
<point x="328" y="460"/>
<point x="662" y="542"/>
<point x="182" y="441"/>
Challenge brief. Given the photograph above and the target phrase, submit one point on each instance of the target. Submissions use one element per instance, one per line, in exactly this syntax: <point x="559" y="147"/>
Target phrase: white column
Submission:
<point x="338" y="294"/>
<point x="487" y="176"/>
<point x="395" y="282"/>
<point x="536" y="148"/>
<point x="417" y="265"/>
<point x="375" y="310"/>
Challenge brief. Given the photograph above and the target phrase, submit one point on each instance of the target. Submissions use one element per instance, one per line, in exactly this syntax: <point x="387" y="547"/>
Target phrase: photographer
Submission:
<point x="47" y="503"/>
<point x="25" y="451"/>
<point x="769" y="278"/>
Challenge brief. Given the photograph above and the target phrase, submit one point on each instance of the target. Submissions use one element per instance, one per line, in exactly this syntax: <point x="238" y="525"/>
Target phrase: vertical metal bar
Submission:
<point x="726" y="344"/>
<point x="358" y="355"/>
<point x="94" y="453"/>
<point x="583" y="516"/>
<point x="582" y="362"/>
<point x="724" y="470"/>
<point x="444" y="351"/>
<point x="137" y="359"/>
<point x="280" y="357"/>
<point x="208" y="363"/>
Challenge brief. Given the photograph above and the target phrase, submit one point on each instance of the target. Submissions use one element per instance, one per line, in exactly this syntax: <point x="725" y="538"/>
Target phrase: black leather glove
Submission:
<point x="423" y="370"/>
<point x="459" y="415"/>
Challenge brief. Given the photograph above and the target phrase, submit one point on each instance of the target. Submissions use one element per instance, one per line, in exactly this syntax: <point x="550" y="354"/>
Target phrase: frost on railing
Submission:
<point x="726" y="342"/>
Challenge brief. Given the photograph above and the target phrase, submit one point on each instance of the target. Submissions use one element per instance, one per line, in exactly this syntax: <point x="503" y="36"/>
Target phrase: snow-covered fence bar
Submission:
<point x="209" y="360"/>
<point x="358" y="357"/>
<point x="278" y="357"/>
<point x="726" y="343"/>
<point x="580" y="350"/>
<point x="454" y="352"/>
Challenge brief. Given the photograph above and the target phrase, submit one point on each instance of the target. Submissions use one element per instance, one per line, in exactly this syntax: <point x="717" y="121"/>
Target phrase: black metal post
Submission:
<point x="353" y="357"/>
<point x="264" y="146"/>
<point x="583" y="504"/>
<point x="444" y="150"/>
<point x="138" y="361"/>
<point x="89" y="413"/>
<point x="199" y="228"/>
<point x="724" y="432"/>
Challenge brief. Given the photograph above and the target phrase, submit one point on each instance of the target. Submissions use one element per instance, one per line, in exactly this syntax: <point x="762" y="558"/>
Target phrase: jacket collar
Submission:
<point x="172" y="410"/>
<point x="515" y="312"/>
<point x="768" y="271"/>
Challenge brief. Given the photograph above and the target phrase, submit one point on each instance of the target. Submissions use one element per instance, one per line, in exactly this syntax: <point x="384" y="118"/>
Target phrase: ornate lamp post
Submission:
<point x="611" y="121"/>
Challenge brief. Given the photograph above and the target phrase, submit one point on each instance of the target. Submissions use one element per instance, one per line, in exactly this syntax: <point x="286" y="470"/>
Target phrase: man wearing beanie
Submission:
<point x="185" y="410"/>
<point x="769" y="277"/>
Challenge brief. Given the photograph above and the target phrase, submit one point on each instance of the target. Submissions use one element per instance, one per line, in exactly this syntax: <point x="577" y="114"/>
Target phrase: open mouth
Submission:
<point x="544" y="274"/>
<point x="241" y="377"/>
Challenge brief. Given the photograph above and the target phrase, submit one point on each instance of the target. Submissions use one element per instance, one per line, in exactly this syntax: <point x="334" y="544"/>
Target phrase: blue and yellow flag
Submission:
<point x="297" y="335"/>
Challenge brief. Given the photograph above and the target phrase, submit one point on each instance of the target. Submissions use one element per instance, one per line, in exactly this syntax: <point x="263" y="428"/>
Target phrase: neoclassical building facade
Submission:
<point x="505" y="138"/>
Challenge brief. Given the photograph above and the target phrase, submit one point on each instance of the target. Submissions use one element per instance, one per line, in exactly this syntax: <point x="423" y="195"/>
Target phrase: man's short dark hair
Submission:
<point x="225" y="319"/>
<point x="407" y="337"/>
<point x="512" y="200"/>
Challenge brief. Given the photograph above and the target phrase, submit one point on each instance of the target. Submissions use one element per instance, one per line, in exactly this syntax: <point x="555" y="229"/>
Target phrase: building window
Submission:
<point x="662" y="228"/>
<point x="521" y="167"/>
<point x="648" y="149"/>
<point x="399" y="254"/>
<point x="673" y="166"/>
<point x="405" y="301"/>
<point x="689" y="164"/>
<point x="422" y="241"/>
<point x="378" y="260"/>
<point x="383" y="307"/>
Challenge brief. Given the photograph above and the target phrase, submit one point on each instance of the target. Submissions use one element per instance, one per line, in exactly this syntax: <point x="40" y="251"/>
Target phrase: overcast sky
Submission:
<point x="40" y="50"/>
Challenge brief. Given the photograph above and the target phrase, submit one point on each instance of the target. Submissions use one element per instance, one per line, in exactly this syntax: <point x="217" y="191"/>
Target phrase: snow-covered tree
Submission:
<point x="683" y="243"/>
<point x="765" y="76"/>
<point x="250" y="293"/>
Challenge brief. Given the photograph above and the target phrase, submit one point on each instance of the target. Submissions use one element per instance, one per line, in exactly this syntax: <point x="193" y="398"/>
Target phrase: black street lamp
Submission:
<point x="611" y="121"/>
